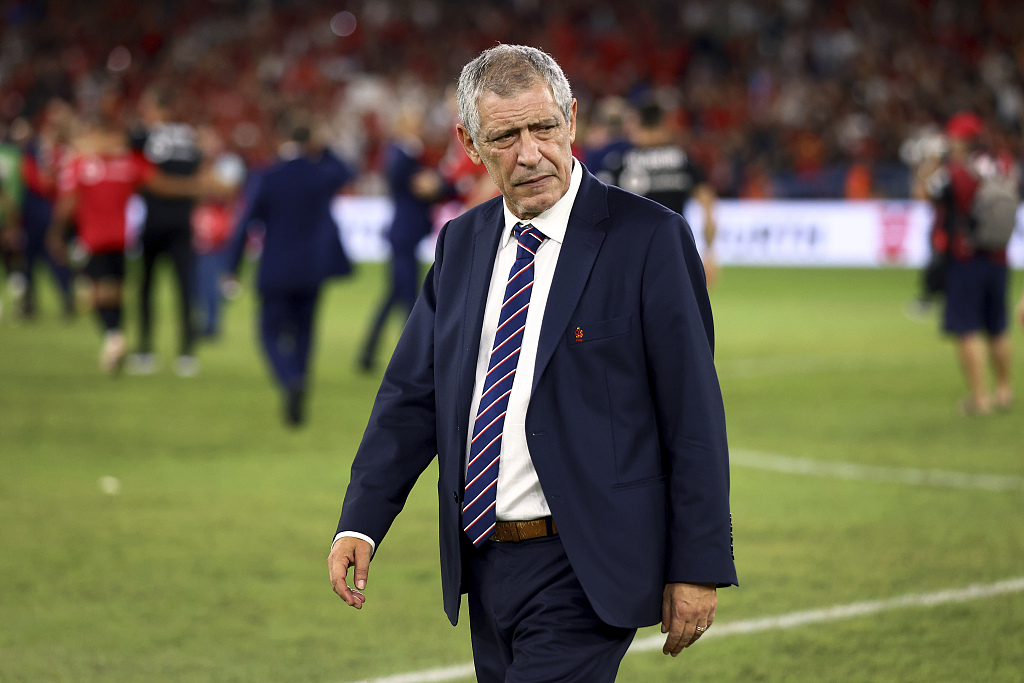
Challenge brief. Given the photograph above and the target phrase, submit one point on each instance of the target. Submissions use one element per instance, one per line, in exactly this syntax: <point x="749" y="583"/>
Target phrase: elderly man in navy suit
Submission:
<point x="559" y="363"/>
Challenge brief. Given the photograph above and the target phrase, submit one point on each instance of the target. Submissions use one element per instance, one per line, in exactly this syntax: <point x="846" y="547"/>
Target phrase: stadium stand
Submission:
<point x="785" y="98"/>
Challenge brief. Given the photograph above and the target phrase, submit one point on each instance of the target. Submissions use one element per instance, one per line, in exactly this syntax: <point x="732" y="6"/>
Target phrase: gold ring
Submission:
<point x="702" y="628"/>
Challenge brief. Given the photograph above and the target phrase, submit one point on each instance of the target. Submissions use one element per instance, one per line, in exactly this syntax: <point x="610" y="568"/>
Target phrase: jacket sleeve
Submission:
<point x="678" y="336"/>
<point x="401" y="437"/>
<point x="254" y="207"/>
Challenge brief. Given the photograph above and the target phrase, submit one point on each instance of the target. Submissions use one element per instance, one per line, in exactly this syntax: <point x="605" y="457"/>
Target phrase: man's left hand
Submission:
<point x="687" y="610"/>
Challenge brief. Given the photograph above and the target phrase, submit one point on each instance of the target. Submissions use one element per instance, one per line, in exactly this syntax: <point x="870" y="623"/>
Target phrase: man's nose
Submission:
<point x="529" y="150"/>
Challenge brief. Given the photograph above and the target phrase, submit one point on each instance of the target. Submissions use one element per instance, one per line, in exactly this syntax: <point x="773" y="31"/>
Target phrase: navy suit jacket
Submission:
<point x="301" y="243"/>
<point x="412" y="221"/>
<point x="625" y="426"/>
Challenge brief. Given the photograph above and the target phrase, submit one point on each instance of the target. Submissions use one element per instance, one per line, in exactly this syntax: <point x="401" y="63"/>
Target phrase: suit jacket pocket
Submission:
<point x="583" y="332"/>
<point x="649" y="481"/>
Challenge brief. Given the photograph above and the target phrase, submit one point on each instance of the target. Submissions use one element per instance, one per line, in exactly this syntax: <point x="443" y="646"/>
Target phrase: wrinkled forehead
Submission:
<point x="527" y="106"/>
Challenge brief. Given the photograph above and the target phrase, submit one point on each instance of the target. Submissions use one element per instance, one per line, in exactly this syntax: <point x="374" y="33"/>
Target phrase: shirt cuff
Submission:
<point x="356" y="534"/>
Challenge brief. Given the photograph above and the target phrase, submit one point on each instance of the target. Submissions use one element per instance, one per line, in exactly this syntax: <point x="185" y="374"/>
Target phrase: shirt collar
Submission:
<point x="553" y="221"/>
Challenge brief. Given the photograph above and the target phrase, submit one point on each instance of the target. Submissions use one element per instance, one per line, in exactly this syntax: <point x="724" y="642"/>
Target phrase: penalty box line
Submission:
<point x="758" y="625"/>
<point x="787" y="464"/>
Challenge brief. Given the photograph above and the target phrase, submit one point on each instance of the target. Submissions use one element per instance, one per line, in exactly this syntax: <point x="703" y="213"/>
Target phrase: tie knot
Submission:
<point x="529" y="237"/>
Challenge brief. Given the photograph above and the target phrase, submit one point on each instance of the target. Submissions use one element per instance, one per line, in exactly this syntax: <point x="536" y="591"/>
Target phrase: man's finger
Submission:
<point x="698" y="631"/>
<point x="679" y="635"/>
<point x="362" y="565"/>
<point x="338" y="568"/>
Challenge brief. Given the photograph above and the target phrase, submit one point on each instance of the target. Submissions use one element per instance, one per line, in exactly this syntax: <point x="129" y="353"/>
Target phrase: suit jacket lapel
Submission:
<point x="575" y="260"/>
<point x="485" y="249"/>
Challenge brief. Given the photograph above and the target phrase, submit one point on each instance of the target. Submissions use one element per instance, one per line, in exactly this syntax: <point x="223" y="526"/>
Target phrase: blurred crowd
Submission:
<point x="786" y="98"/>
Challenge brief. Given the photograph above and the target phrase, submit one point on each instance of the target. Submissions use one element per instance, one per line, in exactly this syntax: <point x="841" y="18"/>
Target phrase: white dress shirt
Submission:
<point x="519" y="495"/>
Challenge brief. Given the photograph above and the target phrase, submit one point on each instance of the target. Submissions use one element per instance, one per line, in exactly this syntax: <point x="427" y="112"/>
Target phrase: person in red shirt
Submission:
<point x="95" y="184"/>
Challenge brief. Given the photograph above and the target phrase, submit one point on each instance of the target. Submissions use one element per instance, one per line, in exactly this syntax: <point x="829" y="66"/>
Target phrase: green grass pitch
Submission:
<point x="209" y="564"/>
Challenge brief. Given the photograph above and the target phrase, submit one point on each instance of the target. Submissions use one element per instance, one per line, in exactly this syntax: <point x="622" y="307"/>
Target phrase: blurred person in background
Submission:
<point x="99" y="177"/>
<point x="171" y="146"/>
<point x="656" y="167"/>
<point x="976" y="193"/>
<point x="213" y="223"/>
<point x="291" y="200"/>
<point x="11" y="243"/>
<point x="470" y="184"/>
<point x="414" y="187"/>
<point x="42" y="157"/>
<point x="9" y="238"/>
<point x="606" y="134"/>
<point x="552" y="317"/>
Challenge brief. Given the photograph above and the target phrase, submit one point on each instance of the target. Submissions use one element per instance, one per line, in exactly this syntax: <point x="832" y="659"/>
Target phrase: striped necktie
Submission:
<point x="478" y="514"/>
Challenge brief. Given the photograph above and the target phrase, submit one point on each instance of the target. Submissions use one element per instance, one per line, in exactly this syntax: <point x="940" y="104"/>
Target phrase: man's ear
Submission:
<point x="572" y="122"/>
<point x="468" y="144"/>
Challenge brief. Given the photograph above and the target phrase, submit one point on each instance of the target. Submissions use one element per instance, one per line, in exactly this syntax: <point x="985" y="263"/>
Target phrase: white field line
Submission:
<point x="900" y="475"/>
<point x="776" y="623"/>
<point x="840" y="612"/>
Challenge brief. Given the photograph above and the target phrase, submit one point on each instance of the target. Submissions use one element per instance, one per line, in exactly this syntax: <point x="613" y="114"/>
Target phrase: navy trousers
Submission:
<point x="286" y="330"/>
<point x="209" y="268"/>
<point x="403" y="288"/>
<point x="35" y="251"/>
<point x="531" y="622"/>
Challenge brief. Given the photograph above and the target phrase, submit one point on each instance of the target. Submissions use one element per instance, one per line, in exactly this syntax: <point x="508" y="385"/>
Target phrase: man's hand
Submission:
<point x="685" y="607"/>
<point x="347" y="552"/>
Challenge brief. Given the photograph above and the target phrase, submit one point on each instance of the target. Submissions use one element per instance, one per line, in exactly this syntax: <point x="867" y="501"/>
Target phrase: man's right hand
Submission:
<point x="349" y="551"/>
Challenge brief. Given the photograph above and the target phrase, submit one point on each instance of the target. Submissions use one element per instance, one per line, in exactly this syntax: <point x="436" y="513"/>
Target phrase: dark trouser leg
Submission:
<point x="403" y="287"/>
<point x="208" y="271"/>
<point x="152" y="244"/>
<point x="35" y="250"/>
<point x="368" y="356"/>
<point x="28" y="264"/>
<point x="531" y="621"/>
<point x="406" y="278"/>
<point x="180" y="249"/>
<point x="286" y="329"/>
<point x="274" y="330"/>
<point x="303" y="313"/>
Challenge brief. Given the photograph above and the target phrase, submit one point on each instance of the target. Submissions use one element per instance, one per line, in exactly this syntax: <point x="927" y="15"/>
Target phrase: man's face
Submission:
<point x="525" y="143"/>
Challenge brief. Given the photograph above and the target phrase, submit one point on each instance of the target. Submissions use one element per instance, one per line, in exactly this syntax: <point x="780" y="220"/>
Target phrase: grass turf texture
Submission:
<point x="210" y="563"/>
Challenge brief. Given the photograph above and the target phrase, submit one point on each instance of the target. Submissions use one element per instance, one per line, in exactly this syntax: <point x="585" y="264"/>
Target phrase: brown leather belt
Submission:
<point x="514" y="532"/>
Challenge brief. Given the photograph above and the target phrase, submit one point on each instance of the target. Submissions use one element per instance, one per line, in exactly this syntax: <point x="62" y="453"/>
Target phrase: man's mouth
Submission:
<point x="532" y="181"/>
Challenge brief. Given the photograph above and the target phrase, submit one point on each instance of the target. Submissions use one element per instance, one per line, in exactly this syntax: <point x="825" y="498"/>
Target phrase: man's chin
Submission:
<point x="534" y="204"/>
<point x="531" y="208"/>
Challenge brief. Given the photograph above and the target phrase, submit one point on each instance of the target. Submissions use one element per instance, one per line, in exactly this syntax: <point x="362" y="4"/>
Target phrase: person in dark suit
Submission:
<point x="413" y="188"/>
<point x="301" y="248"/>
<point x="559" y="363"/>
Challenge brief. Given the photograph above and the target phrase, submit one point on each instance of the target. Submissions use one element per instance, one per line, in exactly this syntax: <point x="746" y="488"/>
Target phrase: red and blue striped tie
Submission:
<point x="478" y="514"/>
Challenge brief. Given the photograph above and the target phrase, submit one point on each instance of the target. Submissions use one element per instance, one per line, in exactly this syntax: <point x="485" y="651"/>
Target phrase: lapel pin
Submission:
<point x="579" y="334"/>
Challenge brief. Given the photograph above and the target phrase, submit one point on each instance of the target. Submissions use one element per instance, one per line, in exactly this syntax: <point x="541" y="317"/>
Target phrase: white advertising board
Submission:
<point x="851" y="234"/>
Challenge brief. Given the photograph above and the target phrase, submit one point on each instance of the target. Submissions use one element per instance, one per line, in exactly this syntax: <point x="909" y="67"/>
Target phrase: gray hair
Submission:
<point x="507" y="70"/>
